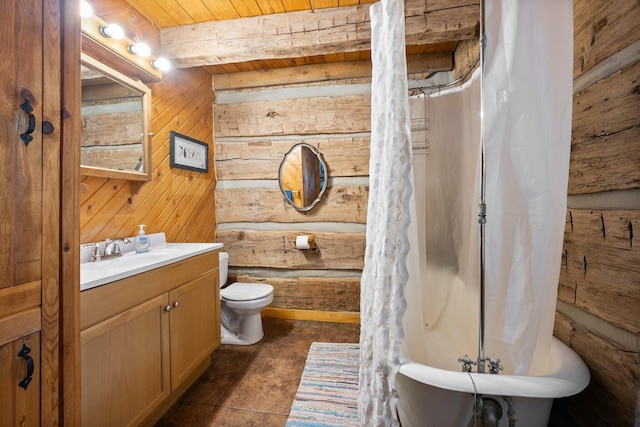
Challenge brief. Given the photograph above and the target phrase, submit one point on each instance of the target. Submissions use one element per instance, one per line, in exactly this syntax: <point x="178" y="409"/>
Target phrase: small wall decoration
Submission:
<point x="188" y="153"/>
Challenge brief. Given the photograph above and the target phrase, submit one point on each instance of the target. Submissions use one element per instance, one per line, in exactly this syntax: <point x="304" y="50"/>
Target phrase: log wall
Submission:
<point x="254" y="129"/>
<point x="176" y="201"/>
<point x="599" y="289"/>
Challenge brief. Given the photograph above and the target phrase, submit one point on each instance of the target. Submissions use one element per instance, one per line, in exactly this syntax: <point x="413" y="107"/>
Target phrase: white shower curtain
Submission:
<point x="527" y="84"/>
<point x="527" y="91"/>
<point x="385" y="273"/>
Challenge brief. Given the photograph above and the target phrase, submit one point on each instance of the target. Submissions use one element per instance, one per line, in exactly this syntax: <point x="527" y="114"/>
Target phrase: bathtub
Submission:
<point x="437" y="397"/>
<point x="432" y="389"/>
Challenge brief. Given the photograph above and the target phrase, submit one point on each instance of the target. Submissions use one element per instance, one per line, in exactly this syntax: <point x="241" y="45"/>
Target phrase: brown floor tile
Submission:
<point x="181" y="415"/>
<point x="340" y="332"/>
<point x="287" y="338"/>
<point x="255" y="385"/>
<point x="269" y="385"/>
<point x="228" y="367"/>
<point x="228" y="417"/>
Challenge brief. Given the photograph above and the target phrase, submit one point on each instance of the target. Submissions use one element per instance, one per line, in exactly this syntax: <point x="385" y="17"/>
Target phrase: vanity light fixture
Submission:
<point x="140" y="49"/>
<point x="161" y="64"/>
<point x="110" y="45"/>
<point x="112" y="31"/>
<point x="86" y="11"/>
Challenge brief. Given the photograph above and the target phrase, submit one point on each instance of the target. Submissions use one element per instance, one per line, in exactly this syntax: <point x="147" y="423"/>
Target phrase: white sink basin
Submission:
<point x="94" y="274"/>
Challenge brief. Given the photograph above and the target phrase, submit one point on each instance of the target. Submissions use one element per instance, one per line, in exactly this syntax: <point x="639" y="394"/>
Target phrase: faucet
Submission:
<point x="466" y="363"/>
<point x="111" y="249"/>
<point x="494" y="365"/>
<point x="96" y="253"/>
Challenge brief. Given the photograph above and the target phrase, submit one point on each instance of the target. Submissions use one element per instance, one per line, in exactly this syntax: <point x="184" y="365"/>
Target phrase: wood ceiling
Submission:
<point x="145" y="20"/>
<point x="166" y="13"/>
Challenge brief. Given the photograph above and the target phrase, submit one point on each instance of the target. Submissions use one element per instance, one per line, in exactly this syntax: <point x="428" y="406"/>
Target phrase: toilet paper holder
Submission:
<point x="305" y="242"/>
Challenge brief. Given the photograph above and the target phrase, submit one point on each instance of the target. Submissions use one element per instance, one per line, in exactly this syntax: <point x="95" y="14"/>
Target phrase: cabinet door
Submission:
<point x="20" y="406"/>
<point x="193" y="325"/>
<point x="29" y="186"/>
<point x="125" y="366"/>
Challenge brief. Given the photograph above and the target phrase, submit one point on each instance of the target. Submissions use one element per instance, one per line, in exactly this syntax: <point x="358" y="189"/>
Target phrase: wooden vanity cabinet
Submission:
<point x="138" y="357"/>
<point x="193" y="311"/>
<point x="125" y="362"/>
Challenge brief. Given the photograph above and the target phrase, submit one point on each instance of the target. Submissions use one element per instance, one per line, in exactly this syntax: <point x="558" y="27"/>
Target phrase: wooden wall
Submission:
<point x="599" y="290"/>
<point x="253" y="131"/>
<point x="176" y="201"/>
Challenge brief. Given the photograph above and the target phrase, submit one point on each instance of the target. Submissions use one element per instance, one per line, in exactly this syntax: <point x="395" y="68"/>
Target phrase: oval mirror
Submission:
<point x="303" y="176"/>
<point x="115" y="114"/>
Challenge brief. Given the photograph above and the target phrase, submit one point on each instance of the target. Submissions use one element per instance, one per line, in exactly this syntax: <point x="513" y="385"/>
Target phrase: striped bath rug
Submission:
<point x="328" y="391"/>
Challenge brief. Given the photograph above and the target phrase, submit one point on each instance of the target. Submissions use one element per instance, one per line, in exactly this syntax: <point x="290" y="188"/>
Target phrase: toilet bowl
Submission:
<point x="241" y="305"/>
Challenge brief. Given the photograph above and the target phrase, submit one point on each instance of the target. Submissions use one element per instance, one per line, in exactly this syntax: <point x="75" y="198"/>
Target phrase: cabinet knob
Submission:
<point x="176" y="304"/>
<point x="47" y="127"/>
<point x="167" y="308"/>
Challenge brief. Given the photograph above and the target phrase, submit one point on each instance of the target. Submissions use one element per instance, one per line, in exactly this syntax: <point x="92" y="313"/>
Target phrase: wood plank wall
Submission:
<point x="176" y="201"/>
<point x="253" y="131"/>
<point x="599" y="289"/>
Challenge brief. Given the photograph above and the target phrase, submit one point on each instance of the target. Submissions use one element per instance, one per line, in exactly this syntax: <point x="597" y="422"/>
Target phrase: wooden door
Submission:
<point x="193" y="326"/>
<point x="29" y="194"/>
<point x="20" y="392"/>
<point x="125" y="366"/>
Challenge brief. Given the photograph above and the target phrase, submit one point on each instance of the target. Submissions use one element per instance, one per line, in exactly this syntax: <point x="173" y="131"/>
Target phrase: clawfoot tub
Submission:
<point x="437" y="397"/>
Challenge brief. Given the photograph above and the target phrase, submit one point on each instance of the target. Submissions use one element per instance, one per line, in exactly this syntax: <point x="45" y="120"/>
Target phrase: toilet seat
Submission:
<point x="246" y="291"/>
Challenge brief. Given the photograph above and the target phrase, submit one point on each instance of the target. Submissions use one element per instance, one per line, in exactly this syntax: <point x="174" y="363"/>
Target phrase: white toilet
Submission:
<point x="240" y="308"/>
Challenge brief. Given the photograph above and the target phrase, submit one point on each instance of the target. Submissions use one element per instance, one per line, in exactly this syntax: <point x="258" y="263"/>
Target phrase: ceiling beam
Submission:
<point x="424" y="63"/>
<point x="312" y="32"/>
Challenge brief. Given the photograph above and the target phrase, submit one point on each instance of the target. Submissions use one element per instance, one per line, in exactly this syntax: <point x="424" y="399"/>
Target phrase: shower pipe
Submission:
<point x="480" y="410"/>
<point x="482" y="208"/>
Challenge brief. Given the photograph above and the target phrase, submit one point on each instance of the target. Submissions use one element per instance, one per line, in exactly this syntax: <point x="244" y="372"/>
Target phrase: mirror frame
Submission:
<point x="326" y="179"/>
<point x="146" y="119"/>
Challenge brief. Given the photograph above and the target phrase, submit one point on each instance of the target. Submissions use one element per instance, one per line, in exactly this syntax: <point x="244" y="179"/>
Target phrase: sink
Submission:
<point x="94" y="274"/>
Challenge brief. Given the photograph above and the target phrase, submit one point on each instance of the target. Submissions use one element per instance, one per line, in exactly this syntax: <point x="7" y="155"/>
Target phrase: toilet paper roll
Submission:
<point x="302" y="242"/>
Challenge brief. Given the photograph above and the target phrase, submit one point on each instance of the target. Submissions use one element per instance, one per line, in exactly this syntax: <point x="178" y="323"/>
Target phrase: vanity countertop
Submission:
<point x="93" y="274"/>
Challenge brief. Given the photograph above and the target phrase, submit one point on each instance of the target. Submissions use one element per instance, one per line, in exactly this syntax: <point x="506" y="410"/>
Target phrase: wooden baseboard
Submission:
<point x="321" y="316"/>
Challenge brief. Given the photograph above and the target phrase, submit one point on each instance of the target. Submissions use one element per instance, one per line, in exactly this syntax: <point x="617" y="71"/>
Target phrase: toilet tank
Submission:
<point x="224" y="267"/>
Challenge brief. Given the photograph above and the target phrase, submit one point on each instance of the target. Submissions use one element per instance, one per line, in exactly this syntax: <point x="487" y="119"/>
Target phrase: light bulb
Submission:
<point x="161" y="64"/>
<point x="140" y="49"/>
<point x="85" y="9"/>
<point x="112" y="31"/>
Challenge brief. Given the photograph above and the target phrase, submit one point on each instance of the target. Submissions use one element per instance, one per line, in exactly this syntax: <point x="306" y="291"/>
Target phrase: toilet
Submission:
<point x="241" y="306"/>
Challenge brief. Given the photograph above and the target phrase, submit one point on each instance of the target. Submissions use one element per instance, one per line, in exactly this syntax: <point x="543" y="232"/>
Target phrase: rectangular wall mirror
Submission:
<point x="115" y="133"/>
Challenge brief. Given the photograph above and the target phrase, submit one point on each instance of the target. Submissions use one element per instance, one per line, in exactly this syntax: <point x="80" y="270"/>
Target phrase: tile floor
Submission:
<point x="255" y="385"/>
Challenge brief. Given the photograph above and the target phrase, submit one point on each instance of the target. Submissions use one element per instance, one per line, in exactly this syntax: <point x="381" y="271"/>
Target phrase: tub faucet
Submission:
<point x="494" y="365"/>
<point x="466" y="363"/>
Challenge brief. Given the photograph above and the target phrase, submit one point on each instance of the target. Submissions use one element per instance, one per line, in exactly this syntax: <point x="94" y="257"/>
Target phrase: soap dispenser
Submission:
<point x="141" y="242"/>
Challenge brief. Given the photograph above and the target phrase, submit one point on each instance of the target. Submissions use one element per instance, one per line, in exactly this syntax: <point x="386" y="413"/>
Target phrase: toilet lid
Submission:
<point x="246" y="291"/>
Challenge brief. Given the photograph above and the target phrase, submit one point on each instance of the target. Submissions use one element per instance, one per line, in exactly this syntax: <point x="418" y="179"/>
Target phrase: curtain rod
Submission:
<point x="458" y="80"/>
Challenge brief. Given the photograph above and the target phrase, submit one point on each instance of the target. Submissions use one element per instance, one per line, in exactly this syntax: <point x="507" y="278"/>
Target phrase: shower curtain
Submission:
<point x="526" y="110"/>
<point x="390" y="167"/>
<point x="527" y="105"/>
